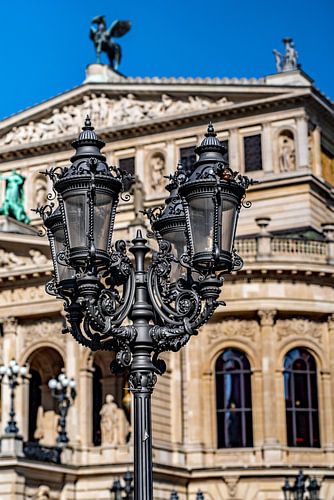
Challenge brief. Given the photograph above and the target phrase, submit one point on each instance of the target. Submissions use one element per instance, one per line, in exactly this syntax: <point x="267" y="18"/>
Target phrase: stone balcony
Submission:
<point x="269" y="248"/>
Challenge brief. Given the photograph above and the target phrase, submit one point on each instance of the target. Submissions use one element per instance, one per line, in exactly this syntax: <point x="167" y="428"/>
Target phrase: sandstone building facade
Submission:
<point x="250" y="400"/>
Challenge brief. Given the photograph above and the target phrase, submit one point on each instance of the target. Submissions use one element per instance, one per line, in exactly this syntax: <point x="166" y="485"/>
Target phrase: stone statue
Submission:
<point x="102" y="39"/>
<point x="289" y="61"/>
<point x="46" y="427"/>
<point x="43" y="493"/>
<point x="14" y="197"/>
<point x="286" y="155"/>
<point x="157" y="169"/>
<point x="114" y="424"/>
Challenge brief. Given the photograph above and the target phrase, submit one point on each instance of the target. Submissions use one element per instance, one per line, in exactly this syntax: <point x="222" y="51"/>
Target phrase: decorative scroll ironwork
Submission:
<point x="35" y="451"/>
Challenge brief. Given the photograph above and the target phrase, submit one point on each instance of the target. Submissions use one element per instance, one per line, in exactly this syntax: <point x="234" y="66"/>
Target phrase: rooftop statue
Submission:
<point x="103" y="42"/>
<point x="14" y="197"/>
<point x="288" y="61"/>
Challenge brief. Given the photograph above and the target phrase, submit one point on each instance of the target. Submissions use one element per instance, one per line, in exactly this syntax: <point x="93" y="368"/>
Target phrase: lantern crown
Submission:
<point x="88" y="143"/>
<point x="210" y="148"/>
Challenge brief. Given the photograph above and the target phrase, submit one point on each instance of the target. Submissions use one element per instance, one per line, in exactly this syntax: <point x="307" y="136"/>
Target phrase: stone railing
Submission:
<point x="268" y="247"/>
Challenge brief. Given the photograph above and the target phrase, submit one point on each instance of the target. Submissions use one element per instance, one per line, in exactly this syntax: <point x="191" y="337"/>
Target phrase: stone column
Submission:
<point x="176" y="398"/>
<point x="263" y="238"/>
<point x="72" y="371"/>
<point x="10" y="325"/>
<point x="302" y="153"/>
<point x="267" y="148"/>
<point x="170" y="158"/>
<point x="316" y="135"/>
<point x="233" y="149"/>
<point x="140" y="163"/>
<point x="271" y="447"/>
<point x="85" y="405"/>
<point x="328" y="391"/>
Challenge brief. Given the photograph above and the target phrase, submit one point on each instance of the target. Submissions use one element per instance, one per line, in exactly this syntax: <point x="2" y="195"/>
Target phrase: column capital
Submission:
<point x="9" y="325"/>
<point x="267" y="317"/>
<point x="331" y="323"/>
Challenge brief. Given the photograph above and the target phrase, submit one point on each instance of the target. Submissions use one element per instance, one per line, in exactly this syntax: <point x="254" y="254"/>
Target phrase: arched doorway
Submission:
<point x="45" y="363"/>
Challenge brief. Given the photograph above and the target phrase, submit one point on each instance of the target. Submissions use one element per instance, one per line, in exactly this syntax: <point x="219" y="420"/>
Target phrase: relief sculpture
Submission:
<point x="104" y="112"/>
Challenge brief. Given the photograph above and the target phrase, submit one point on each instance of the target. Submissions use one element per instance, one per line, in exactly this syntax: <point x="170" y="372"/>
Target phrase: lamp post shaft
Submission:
<point x="142" y="376"/>
<point x="11" y="425"/>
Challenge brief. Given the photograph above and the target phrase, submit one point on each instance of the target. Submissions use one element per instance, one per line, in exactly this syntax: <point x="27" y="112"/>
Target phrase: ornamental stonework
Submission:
<point x="233" y="328"/>
<point x="296" y="327"/>
<point x="23" y="295"/>
<point x="9" y="261"/>
<point x="105" y="112"/>
<point x="43" y="329"/>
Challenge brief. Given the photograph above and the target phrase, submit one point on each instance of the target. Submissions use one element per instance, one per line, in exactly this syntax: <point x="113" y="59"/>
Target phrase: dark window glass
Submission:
<point x="233" y="400"/>
<point x="253" y="154"/>
<point x="301" y="398"/>
<point x="127" y="164"/>
<point x="35" y="398"/>
<point x="97" y="404"/>
<point x="188" y="158"/>
<point x="225" y="145"/>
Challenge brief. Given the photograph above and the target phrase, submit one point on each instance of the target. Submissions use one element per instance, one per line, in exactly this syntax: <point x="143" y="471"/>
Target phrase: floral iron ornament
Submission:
<point x="166" y="298"/>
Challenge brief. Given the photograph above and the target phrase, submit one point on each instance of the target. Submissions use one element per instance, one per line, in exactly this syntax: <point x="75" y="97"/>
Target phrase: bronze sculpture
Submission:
<point x="14" y="197"/>
<point x="103" y="42"/>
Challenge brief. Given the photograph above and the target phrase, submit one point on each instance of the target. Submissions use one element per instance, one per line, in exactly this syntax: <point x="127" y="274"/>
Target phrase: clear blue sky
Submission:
<point x="45" y="45"/>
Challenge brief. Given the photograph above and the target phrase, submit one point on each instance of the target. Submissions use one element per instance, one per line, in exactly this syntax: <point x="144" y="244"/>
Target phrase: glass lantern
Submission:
<point x="212" y="197"/>
<point x="88" y="196"/>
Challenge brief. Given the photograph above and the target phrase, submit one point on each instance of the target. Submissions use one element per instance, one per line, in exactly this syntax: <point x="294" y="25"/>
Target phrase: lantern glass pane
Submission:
<point x="179" y="247"/>
<point x="102" y="218"/>
<point x="65" y="272"/>
<point x="75" y="207"/>
<point x="228" y="224"/>
<point x="201" y="212"/>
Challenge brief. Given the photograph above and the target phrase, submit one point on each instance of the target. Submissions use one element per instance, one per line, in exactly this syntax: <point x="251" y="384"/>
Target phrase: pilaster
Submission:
<point x="302" y="156"/>
<point x="271" y="447"/>
<point x="233" y="149"/>
<point x="10" y="326"/>
<point x="267" y="148"/>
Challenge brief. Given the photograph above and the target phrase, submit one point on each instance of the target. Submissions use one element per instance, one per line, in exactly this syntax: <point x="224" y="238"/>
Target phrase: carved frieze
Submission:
<point x="32" y="331"/>
<point x="299" y="327"/>
<point x="105" y="112"/>
<point x="23" y="295"/>
<point x="233" y="328"/>
<point x="9" y="261"/>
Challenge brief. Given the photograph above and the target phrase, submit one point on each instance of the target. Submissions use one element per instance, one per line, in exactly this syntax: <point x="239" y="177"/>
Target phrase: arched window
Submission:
<point x="234" y="400"/>
<point x="301" y="398"/>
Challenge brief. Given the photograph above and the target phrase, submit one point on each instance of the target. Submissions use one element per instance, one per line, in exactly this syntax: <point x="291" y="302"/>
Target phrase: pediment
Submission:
<point x="130" y="102"/>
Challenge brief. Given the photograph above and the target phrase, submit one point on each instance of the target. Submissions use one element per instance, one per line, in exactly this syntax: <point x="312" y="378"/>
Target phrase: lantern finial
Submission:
<point x="88" y="124"/>
<point x="211" y="131"/>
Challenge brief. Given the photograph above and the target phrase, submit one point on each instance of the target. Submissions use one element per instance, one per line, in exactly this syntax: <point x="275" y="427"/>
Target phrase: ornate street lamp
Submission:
<point x="167" y="298"/>
<point x="13" y="372"/>
<point x="63" y="390"/>
<point x="298" y="489"/>
<point x="117" y="488"/>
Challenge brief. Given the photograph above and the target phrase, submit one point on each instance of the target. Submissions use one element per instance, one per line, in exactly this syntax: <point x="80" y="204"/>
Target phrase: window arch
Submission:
<point x="301" y="398"/>
<point x="233" y="400"/>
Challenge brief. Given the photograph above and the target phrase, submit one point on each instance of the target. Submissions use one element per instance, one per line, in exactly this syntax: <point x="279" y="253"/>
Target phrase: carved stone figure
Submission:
<point x="114" y="424"/>
<point x="102" y="39"/>
<point x="105" y="112"/>
<point x="14" y="197"/>
<point x="43" y="493"/>
<point x="46" y="427"/>
<point x="286" y="153"/>
<point x="157" y="169"/>
<point x="289" y="61"/>
<point x="41" y="191"/>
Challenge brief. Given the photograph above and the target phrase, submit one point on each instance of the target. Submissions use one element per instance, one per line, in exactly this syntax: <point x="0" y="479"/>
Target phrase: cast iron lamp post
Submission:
<point x="298" y="489"/>
<point x="117" y="488"/>
<point x="13" y="372"/>
<point x="63" y="389"/>
<point x="166" y="297"/>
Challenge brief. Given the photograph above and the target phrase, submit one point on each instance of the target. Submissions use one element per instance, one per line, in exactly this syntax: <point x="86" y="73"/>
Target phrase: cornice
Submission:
<point x="162" y="124"/>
